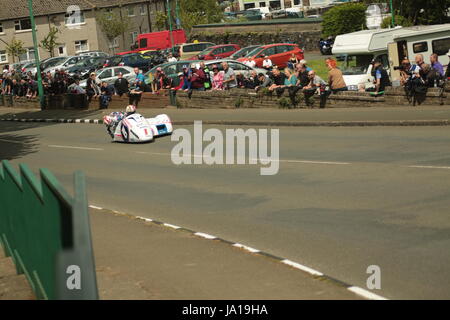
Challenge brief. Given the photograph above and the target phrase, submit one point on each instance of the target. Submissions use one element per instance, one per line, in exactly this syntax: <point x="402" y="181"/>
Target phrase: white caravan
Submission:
<point x="359" y="48"/>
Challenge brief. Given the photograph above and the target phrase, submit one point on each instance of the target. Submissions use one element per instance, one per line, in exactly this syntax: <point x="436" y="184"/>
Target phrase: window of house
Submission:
<point x="27" y="55"/>
<point x="81" y="46"/>
<point x="420" y="47"/>
<point x="109" y="13"/>
<point x="3" y="56"/>
<point x="24" y="24"/>
<point x="1" y="27"/>
<point x="114" y="43"/>
<point x="130" y="11"/>
<point x="441" y="46"/>
<point x="75" y="17"/>
<point x="143" y="9"/>
<point x="297" y="2"/>
<point x="134" y="35"/>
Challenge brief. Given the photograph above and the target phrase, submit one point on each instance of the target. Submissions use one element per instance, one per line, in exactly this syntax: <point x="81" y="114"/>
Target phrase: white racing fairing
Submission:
<point x="135" y="128"/>
<point x="161" y="125"/>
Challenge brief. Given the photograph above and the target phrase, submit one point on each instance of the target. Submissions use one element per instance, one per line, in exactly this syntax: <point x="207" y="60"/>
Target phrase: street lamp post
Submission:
<point x="392" y="14"/>
<point x="170" y="24"/>
<point x="36" y="54"/>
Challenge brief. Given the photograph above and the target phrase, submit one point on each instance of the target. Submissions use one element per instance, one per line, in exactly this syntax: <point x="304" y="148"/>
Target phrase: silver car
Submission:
<point x="61" y="64"/>
<point x="111" y="74"/>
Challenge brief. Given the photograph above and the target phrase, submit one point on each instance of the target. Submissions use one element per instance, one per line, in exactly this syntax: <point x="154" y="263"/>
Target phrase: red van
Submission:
<point x="158" y="41"/>
<point x="279" y="53"/>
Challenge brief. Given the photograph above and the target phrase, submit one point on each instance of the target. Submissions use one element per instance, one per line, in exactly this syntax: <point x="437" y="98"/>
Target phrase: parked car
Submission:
<point x="264" y="11"/>
<point x="243" y="52"/>
<point x="94" y="53"/>
<point x="172" y="69"/>
<point x="217" y="52"/>
<point x="284" y="14"/>
<point x="111" y="74"/>
<point x="250" y="15"/>
<point x="134" y="60"/>
<point x="188" y="50"/>
<point x="29" y="67"/>
<point x="279" y="54"/>
<point x="83" y="68"/>
<point x="62" y="64"/>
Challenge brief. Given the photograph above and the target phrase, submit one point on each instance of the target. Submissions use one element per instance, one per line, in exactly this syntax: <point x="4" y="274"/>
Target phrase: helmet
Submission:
<point x="130" y="109"/>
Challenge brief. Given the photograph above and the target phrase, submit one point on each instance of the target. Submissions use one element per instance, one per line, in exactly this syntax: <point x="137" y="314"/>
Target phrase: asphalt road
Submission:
<point x="343" y="199"/>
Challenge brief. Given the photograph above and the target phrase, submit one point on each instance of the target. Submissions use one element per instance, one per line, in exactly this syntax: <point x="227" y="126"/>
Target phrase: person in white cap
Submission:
<point x="447" y="73"/>
<point x="267" y="63"/>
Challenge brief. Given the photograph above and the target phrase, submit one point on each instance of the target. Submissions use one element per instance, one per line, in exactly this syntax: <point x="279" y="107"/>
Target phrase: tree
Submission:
<point x="193" y="12"/>
<point x="161" y="20"/>
<point x="49" y="43"/>
<point x="421" y="11"/>
<point x="112" y="25"/>
<point x="399" y="21"/>
<point x="15" y="48"/>
<point x="344" y="18"/>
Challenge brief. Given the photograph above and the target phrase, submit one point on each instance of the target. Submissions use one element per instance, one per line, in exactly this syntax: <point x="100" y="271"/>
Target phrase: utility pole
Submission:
<point x="36" y="54"/>
<point x="169" y="16"/>
<point x="392" y="14"/>
<point x="177" y="11"/>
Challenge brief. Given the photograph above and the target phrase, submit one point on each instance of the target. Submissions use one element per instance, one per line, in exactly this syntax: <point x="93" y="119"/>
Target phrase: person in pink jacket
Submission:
<point x="217" y="79"/>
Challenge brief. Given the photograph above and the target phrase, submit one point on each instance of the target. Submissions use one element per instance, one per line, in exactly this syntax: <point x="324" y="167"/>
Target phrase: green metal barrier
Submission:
<point x="47" y="233"/>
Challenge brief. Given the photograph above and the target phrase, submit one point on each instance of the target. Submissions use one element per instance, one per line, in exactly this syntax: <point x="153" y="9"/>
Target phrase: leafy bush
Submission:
<point x="399" y="21"/>
<point x="284" y="103"/>
<point x="345" y="18"/>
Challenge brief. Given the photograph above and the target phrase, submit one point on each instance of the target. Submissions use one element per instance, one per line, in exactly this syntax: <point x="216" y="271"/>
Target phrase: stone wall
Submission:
<point x="79" y="101"/>
<point x="241" y="98"/>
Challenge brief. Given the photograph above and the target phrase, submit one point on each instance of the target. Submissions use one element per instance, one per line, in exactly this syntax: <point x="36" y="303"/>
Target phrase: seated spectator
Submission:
<point x="107" y="91"/>
<point x="217" y="78"/>
<point x="15" y="88"/>
<point x="315" y="85"/>
<point x="92" y="88"/>
<point x="436" y="65"/>
<point x="264" y="81"/>
<point x="447" y="72"/>
<point x="181" y="84"/>
<point x="293" y="60"/>
<point x="335" y="77"/>
<point x="32" y="88"/>
<point x="267" y="63"/>
<point x="136" y="94"/>
<point x="278" y="82"/>
<point x="381" y="78"/>
<point x="207" y="73"/>
<point x="291" y="83"/>
<point x="304" y="62"/>
<point x="240" y="81"/>
<point x="198" y="78"/>
<point x="229" y="77"/>
<point x="187" y="78"/>
<point x="252" y="82"/>
<point x="302" y="75"/>
<point x="121" y="85"/>
<point x="165" y="81"/>
<point x="23" y="88"/>
<point x="75" y="88"/>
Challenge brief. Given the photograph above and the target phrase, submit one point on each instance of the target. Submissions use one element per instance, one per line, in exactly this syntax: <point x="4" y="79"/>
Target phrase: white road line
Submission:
<point x="428" y="167"/>
<point x="205" y="235"/>
<point x="302" y="267"/>
<point x="366" y="294"/>
<point x="264" y="160"/>
<point x="95" y="207"/>
<point x="71" y="147"/>
<point x="250" y="249"/>
<point x="171" y="226"/>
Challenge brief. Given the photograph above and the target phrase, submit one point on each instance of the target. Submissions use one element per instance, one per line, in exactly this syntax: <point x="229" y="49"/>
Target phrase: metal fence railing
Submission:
<point x="47" y="233"/>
